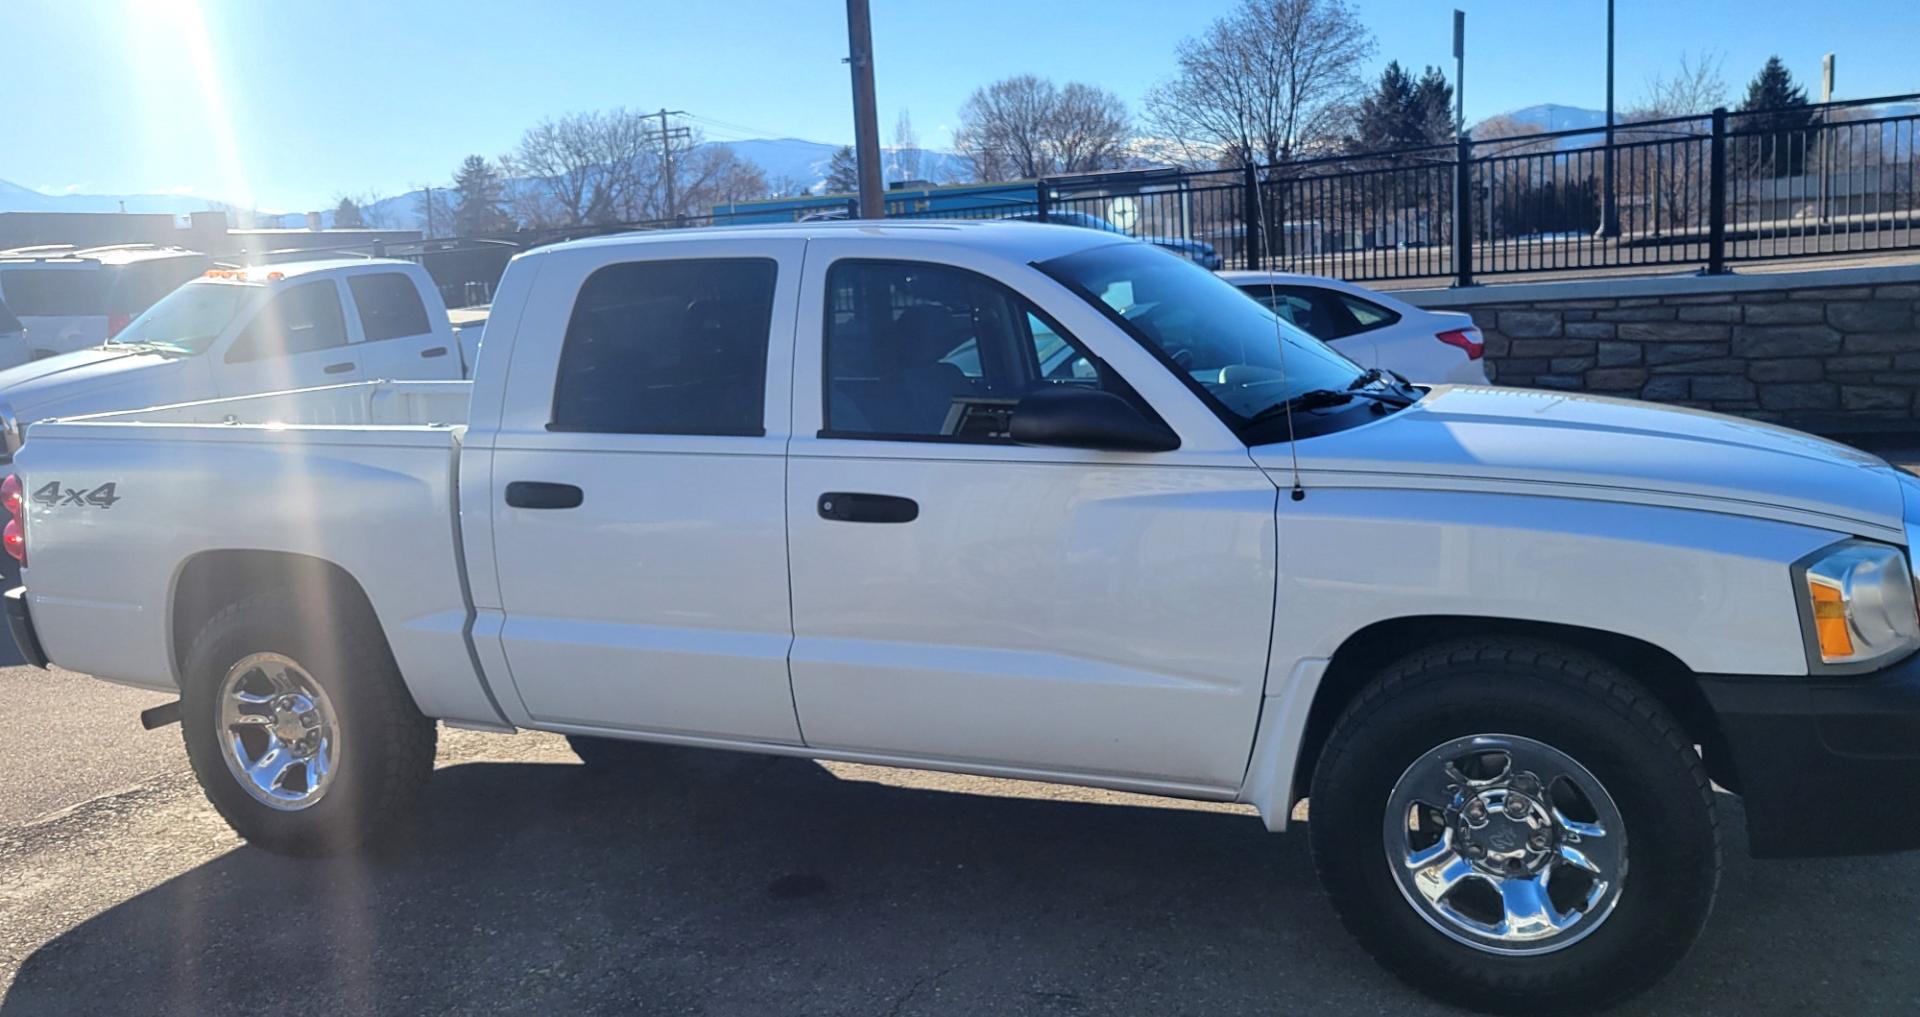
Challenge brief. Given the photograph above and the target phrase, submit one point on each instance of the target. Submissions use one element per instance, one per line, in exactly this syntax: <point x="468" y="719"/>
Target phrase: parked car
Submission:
<point x="1197" y="251"/>
<point x="1371" y="328"/>
<point x="808" y="491"/>
<point x="70" y="299"/>
<point x="235" y="332"/>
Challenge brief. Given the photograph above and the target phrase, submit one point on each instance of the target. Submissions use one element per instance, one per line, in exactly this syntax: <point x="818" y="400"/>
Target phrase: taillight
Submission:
<point x="1465" y="338"/>
<point x="14" y="537"/>
<point x="116" y="322"/>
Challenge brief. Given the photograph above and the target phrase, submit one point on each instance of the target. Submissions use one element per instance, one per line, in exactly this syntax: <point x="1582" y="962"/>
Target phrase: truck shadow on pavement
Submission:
<point x="722" y="884"/>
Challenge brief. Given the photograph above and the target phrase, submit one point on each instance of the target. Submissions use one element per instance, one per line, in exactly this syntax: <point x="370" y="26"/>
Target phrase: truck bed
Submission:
<point x="281" y="474"/>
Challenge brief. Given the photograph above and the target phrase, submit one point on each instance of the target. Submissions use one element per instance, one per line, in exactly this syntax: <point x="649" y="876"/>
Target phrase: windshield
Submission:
<point x="1235" y="352"/>
<point x="190" y="318"/>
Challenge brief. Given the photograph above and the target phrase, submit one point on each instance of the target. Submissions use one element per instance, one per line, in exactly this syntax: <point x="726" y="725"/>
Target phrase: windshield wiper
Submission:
<point x="1393" y="379"/>
<point x="1321" y="398"/>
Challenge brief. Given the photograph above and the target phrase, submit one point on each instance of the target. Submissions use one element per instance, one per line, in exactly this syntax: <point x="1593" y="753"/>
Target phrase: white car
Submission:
<point x="71" y="299"/>
<point x="1372" y="328"/>
<point x="240" y="331"/>
<point x="814" y="491"/>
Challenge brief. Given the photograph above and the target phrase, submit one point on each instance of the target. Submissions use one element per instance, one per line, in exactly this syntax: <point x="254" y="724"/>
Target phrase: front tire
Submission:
<point x="304" y="738"/>
<point x="1515" y="827"/>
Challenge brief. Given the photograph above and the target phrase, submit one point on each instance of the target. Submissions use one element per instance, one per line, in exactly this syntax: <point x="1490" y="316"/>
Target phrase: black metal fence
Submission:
<point x="1707" y="191"/>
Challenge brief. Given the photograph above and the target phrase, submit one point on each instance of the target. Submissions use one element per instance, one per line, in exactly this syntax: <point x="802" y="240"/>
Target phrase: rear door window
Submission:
<point x="299" y="319"/>
<point x="668" y="347"/>
<point x="389" y="306"/>
<point x="54" y="290"/>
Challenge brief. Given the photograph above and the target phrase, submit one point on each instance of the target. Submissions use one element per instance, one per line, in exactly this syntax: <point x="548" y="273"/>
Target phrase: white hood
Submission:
<point x="93" y="380"/>
<point x="1563" y="444"/>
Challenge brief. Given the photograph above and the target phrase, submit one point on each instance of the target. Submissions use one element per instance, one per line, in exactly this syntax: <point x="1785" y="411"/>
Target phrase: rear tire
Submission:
<point x="304" y="738"/>
<point x="1550" y="750"/>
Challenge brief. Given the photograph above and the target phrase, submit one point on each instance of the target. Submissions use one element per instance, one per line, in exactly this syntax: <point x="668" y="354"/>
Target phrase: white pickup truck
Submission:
<point x="240" y="331"/>
<point x="1035" y="502"/>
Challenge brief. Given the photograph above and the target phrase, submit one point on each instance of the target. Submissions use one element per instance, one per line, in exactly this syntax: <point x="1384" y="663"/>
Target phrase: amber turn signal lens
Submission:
<point x="1830" y="620"/>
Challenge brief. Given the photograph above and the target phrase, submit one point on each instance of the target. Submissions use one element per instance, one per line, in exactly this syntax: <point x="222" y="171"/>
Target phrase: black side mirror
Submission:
<point x="1074" y="416"/>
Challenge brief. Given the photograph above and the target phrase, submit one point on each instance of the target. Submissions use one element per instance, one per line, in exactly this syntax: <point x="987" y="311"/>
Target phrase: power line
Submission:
<point x="667" y="136"/>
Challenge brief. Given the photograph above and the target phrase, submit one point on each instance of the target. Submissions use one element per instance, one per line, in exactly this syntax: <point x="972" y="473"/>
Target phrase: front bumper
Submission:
<point x="20" y="620"/>
<point x="1826" y="766"/>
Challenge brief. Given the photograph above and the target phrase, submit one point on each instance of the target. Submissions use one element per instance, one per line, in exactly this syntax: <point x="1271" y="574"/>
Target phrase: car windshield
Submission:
<point x="190" y="318"/>
<point x="1234" y="351"/>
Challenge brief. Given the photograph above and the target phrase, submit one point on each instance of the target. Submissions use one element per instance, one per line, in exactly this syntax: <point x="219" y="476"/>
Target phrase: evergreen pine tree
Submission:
<point x="843" y="172"/>
<point x="346" y="215"/>
<point x="477" y="199"/>
<point x="1780" y="109"/>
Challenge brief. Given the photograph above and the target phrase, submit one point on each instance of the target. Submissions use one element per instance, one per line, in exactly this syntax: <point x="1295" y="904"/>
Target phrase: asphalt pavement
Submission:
<point x="710" y="883"/>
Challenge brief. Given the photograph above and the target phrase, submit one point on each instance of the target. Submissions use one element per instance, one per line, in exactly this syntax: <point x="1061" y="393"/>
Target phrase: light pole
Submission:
<point x="1609" y="204"/>
<point x="1459" y="72"/>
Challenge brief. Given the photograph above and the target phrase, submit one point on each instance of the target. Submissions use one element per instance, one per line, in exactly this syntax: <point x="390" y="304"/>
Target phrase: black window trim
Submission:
<point x="553" y="405"/>
<point x="1033" y="306"/>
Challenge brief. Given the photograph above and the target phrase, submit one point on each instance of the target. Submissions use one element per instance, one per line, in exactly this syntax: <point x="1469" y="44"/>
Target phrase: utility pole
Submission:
<point x="1459" y="73"/>
<point x="866" y="117"/>
<point x="1609" y="203"/>
<point x="667" y="136"/>
<point x="428" y="193"/>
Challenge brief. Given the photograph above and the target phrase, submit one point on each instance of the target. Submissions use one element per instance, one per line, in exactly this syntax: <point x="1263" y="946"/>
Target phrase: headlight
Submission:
<point x="1857" y="605"/>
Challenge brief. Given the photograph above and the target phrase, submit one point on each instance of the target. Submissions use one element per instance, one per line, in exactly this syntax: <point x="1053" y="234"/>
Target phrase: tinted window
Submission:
<point x="300" y="319"/>
<point x="8" y="323"/>
<point x="930" y="351"/>
<point x="668" y="347"/>
<point x="389" y="306"/>
<point x="54" y="291"/>
<point x="139" y="285"/>
<point x="1366" y="314"/>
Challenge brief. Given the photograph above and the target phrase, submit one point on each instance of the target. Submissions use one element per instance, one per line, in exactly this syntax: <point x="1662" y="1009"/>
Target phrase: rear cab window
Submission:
<point x="389" y="306"/>
<point x="668" y="347"/>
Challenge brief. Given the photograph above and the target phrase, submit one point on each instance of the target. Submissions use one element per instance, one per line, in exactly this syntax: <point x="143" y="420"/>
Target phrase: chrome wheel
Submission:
<point x="1506" y="844"/>
<point x="279" y="730"/>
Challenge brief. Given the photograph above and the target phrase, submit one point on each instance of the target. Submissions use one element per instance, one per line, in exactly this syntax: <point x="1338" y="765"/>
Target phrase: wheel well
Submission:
<point x="1365" y="653"/>
<point x="212" y="580"/>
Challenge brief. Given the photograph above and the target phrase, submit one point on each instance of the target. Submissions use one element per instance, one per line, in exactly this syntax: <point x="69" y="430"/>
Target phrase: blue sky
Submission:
<point x="289" y="103"/>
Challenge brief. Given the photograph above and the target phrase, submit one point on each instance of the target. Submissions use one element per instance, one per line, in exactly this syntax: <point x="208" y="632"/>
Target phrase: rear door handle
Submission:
<point x="538" y="494"/>
<point x="338" y="368"/>
<point x="854" y="507"/>
<point x="437" y="351"/>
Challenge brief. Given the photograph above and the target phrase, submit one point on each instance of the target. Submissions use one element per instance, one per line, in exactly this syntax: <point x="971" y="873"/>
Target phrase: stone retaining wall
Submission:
<point x="1830" y="357"/>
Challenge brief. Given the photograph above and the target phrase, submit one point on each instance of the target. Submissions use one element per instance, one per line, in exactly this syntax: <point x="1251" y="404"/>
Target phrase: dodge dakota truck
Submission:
<point x="1035" y="502"/>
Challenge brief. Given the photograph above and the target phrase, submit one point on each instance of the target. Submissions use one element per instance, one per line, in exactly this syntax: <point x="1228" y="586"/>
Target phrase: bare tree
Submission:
<point x="1270" y="80"/>
<point x="1025" y="126"/>
<point x="583" y="168"/>
<point x="1663" y="185"/>
<point x="906" y="147"/>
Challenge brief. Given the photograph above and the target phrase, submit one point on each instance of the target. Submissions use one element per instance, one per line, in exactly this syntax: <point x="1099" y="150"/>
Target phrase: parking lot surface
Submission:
<point x="710" y="883"/>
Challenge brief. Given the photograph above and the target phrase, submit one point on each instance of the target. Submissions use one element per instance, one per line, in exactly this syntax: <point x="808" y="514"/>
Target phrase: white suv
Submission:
<point x="70" y="299"/>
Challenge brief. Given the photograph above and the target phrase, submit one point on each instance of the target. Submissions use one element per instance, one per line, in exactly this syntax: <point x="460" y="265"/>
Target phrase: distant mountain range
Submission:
<point x="789" y="163"/>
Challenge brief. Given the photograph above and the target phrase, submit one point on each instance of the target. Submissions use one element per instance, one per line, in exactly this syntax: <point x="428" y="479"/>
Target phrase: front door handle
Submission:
<point x="538" y="494"/>
<point x="338" y="368"/>
<point x="437" y="351"/>
<point x="854" y="507"/>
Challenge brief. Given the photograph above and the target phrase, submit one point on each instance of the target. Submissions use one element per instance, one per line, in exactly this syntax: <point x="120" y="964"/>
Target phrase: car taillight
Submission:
<point x="116" y="322"/>
<point x="1465" y="338"/>
<point x="14" y="537"/>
